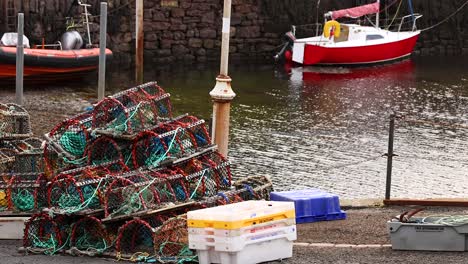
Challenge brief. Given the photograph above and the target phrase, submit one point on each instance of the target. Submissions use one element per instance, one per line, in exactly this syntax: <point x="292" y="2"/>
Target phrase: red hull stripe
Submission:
<point x="314" y="54"/>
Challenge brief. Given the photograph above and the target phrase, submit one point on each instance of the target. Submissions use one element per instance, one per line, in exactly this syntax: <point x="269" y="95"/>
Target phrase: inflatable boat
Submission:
<point x="49" y="62"/>
<point x="64" y="60"/>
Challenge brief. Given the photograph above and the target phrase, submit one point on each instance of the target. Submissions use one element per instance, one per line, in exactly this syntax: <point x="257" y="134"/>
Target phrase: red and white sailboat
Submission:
<point x="346" y="44"/>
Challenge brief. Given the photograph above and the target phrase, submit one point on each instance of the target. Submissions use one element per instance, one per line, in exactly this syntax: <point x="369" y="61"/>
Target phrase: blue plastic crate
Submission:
<point x="312" y="205"/>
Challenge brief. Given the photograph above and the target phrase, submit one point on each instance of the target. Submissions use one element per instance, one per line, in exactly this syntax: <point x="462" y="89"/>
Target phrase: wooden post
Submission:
<point x="390" y="155"/>
<point x="20" y="60"/>
<point x="102" y="51"/>
<point x="139" y="42"/>
<point x="222" y="94"/>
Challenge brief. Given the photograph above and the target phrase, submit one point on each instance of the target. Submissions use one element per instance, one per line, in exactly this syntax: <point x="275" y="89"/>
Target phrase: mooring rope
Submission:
<point x="447" y="18"/>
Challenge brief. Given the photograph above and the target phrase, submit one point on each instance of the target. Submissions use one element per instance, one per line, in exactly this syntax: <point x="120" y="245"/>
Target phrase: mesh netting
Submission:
<point x="90" y="235"/>
<point x="130" y="112"/>
<point x="104" y="150"/>
<point x="14" y="122"/>
<point x="150" y="149"/>
<point x="171" y="240"/>
<point x="42" y="234"/>
<point x="7" y="160"/>
<point x="136" y="236"/>
<point x="28" y="155"/>
<point x="25" y="195"/>
<point x="64" y="193"/>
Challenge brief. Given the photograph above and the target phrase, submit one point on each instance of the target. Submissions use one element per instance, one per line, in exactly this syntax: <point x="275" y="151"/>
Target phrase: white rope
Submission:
<point x="447" y="18"/>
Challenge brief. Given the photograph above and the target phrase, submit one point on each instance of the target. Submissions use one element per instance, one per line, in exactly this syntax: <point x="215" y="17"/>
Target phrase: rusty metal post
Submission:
<point x="222" y="94"/>
<point x="102" y="51"/>
<point x="390" y="155"/>
<point x="20" y="60"/>
<point x="139" y="42"/>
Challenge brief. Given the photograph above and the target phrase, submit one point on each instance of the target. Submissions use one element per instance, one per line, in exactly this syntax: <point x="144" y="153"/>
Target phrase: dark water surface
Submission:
<point x="328" y="127"/>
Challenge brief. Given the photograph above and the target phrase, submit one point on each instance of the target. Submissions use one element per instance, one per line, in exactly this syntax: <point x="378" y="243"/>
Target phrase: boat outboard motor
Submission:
<point x="289" y="39"/>
<point x="71" y="40"/>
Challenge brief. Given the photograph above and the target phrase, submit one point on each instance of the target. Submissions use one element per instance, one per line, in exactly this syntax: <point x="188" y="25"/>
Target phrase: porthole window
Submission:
<point x="374" y="37"/>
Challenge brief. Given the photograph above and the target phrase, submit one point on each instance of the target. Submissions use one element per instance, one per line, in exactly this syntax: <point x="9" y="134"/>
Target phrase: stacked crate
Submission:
<point x="246" y="232"/>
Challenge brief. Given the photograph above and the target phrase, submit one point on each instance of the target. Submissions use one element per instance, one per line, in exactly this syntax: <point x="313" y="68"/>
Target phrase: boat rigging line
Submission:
<point x="447" y="18"/>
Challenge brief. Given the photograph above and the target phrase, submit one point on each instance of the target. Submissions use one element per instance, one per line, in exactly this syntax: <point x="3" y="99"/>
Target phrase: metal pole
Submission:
<point x="222" y="94"/>
<point x="377" y="20"/>
<point x="20" y="60"/>
<point x="102" y="51"/>
<point x="390" y="154"/>
<point x="139" y="42"/>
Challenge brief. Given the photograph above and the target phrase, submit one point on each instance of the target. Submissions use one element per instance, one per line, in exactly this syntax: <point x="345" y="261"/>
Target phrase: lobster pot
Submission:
<point x="135" y="236"/>
<point x="144" y="92"/>
<point x="44" y="234"/>
<point x="129" y="113"/>
<point x="24" y="195"/>
<point x="14" y="122"/>
<point x="29" y="157"/>
<point x="89" y="235"/>
<point x="7" y="160"/>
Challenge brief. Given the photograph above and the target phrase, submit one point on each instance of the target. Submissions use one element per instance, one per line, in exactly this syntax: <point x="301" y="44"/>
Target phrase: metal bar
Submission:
<point x="391" y="134"/>
<point x="102" y="51"/>
<point x="139" y="42"/>
<point x="428" y="202"/>
<point x="20" y="60"/>
<point x="225" y="38"/>
<point x="87" y="24"/>
<point x="377" y="19"/>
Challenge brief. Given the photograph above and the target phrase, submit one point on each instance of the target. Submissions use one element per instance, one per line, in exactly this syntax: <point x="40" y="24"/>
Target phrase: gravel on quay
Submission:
<point x="364" y="226"/>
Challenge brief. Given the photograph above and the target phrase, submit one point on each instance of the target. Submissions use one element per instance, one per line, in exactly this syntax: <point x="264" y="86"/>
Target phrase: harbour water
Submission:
<point x="328" y="127"/>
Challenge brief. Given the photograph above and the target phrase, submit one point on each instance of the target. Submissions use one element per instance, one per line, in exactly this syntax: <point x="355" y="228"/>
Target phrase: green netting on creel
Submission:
<point x="121" y="123"/>
<point x="73" y="142"/>
<point x="23" y="200"/>
<point x="89" y="241"/>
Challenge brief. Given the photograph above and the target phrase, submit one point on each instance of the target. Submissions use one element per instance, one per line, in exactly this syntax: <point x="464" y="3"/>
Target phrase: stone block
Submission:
<point x="248" y="32"/>
<point x="161" y="26"/>
<point x="177" y="12"/>
<point x="201" y="52"/>
<point x="208" y="17"/>
<point x="166" y="43"/>
<point x="208" y="43"/>
<point x="178" y="50"/>
<point x="195" y="43"/>
<point x="151" y="36"/>
<point x="178" y="35"/>
<point x="163" y="52"/>
<point x="207" y="33"/>
<point x="150" y="45"/>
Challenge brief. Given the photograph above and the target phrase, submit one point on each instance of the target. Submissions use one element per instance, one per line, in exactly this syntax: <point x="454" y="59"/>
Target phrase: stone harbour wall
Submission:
<point x="190" y="30"/>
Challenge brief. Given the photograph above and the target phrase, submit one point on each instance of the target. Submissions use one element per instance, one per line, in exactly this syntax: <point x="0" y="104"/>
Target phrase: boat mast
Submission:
<point x="378" y="16"/>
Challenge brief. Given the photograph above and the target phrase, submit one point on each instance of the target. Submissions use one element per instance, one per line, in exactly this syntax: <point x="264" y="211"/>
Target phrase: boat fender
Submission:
<point x="71" y="40"/>
<point x="332" y="24"/>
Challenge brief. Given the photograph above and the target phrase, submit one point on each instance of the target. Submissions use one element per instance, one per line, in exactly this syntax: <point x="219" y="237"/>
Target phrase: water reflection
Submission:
<point x="327" y="127"/>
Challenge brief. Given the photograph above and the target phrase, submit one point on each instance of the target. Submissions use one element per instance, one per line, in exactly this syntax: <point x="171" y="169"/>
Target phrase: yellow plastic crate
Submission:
<point x="239" y="215"/>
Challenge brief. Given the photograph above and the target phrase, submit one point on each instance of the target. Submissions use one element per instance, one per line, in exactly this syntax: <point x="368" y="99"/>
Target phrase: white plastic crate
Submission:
<point x="209" y="231"/>
<point x="238" y="215"/>
<point x="268" y="250"/>
<point x="12" y="227"/>
<point x="417" y="235"/>
<point x="238" y="243"/>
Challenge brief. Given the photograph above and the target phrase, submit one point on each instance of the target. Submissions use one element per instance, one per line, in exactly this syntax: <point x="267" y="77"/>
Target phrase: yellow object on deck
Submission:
<point x="3" y="198"/>
<point x="336" y="28"/>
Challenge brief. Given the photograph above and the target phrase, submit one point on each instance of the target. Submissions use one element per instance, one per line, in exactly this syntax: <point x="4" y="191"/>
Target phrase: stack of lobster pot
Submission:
<point x="121" y="177"/>
<point x="21" y="160"/>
